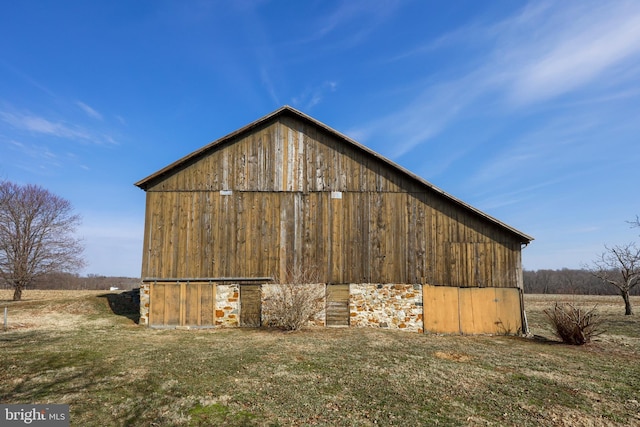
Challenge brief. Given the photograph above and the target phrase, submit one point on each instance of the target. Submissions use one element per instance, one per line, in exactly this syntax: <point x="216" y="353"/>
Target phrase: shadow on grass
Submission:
<point x="540" y="339"/>
<point x="32" y="388"/>
<point x="27" y="337"/>
<point x="125" y="304"/>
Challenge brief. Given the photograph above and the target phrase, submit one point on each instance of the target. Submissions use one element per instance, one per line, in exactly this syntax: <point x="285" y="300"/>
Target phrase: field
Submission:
<point x="71" y="347"/>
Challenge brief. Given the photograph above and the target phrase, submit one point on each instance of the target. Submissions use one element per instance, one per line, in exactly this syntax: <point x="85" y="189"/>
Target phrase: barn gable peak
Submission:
<point x="288" y="111"/>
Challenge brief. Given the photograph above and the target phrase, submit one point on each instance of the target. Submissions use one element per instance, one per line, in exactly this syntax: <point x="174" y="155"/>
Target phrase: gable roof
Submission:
<point x="287" y="110"/>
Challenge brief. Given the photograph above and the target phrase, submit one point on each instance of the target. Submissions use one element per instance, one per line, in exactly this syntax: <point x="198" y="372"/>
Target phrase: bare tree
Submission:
<point x="36" y="235"/>
<point x="619" y="266"/>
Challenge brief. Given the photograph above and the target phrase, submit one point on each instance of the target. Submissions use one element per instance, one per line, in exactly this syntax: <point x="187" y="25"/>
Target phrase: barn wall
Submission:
<point x="361" y="238"/>
<point x="289" y="195"/>
<point x="415" y="308"/>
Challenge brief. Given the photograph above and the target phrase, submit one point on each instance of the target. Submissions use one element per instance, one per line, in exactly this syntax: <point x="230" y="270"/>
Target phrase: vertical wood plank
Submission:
<point x="388" y="228"/>
<point x="172" y="306"/>
<point x="337" y="310"/>
<point x="441" y="309"/>
<point x="156" y="304"/>
<point x="250" y="305"/>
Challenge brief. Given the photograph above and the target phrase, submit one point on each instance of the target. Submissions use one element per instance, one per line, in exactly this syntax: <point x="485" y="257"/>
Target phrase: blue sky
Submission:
<point x="529" y="111"/>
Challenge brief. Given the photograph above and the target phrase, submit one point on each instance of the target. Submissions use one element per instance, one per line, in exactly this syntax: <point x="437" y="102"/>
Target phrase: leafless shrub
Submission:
<point x="574" y="325"/>
<point x="293" y="304"/>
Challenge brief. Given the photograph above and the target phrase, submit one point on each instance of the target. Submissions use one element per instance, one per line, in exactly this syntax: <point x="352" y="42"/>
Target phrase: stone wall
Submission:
<point x="386" y="306"/>
<point x="370" y="305"/>
<point x="227" y="305"/>
<point x="144" y="304"/>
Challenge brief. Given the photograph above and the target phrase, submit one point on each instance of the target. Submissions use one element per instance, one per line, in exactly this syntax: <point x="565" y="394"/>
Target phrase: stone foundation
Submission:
<point x="144" y="304"/>
<point x="395" y="306"/>
<point x="386" y="306"/>
<point x="227" y="305"/>
<point x="370" y="305"/>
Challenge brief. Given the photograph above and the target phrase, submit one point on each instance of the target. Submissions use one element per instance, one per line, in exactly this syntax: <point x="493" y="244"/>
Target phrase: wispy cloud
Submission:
<point x="121" y="120"/>
<point x="36" y="124"/>
<point x="343" y="14"/>
<point x="425" y="117"/>
<point x="265" y="77"/>
<point x="577" y="44"/>
<point x="27" y="78"/>
<point x="313" y="96"/>
<point x="544" y="51"/>
<point x="35" y="158"/>
<point x="349" y="12"/>
<point x="571" y="144"/>
<point x="497" y="199"/>
<point x="90" y="111"/>
<point x="350" y="23"/>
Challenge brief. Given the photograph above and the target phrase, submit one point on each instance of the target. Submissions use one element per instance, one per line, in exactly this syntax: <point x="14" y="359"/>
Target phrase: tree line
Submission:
<point x="70" y="281"/>
<point x="568" y="281"/>
<point x="563" y="281"/>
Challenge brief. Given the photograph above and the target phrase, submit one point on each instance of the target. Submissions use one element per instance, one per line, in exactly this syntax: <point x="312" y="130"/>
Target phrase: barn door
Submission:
<point x="164" y="304"/>
<point x="337" y="305"/>
<point x="174" y="304"/>
<point x="250" y="305"/>
<point x="453" y="310"/>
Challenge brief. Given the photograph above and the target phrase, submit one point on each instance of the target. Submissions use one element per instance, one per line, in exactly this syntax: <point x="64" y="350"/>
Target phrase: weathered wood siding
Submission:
<point x="453" y="310"/>
<point x="337" y="309"/>
<point x="181" y="304"/>
<point x="262" y="203"/>
<point x="250" y="305"/>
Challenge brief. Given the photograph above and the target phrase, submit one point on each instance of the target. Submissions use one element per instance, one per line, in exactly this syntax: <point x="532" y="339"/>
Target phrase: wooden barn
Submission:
<point x="287" y="193"/>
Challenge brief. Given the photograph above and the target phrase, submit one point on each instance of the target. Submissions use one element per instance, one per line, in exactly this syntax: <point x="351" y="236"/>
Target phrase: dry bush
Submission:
<point x="291" y="305"/>
<point x="574" y="325"/>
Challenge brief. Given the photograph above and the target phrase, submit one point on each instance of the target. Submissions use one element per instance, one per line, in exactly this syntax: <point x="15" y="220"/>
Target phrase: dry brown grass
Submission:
<point x="48" y="309"/>
<point x="113" y="372"/>
<point x="29" y="295"/>
<point x="457" y="357"/>
<point x="607" y="304"/>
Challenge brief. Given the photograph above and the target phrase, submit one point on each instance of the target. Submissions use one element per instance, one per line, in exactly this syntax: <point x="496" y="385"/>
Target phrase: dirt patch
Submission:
<point x="456" y="357"/>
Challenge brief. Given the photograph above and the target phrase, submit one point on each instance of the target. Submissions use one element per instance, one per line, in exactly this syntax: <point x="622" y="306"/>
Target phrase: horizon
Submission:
<point x="527" y="111"/>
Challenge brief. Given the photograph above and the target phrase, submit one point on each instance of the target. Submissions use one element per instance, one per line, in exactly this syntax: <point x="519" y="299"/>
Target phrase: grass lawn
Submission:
<point x="70" y="347"/>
